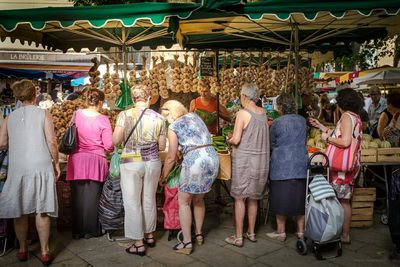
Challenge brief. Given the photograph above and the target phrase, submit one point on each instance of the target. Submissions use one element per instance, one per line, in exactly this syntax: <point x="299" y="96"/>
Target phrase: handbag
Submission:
<point x="345" y="159"/>
<point x="68" y="141"/>
<point x="172" y="179"/>
<point x="114" y="169"/>
<point x="391" y="133"/>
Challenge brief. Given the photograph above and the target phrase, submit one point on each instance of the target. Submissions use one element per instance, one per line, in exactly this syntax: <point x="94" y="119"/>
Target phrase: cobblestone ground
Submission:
<point x="369" y="247"/>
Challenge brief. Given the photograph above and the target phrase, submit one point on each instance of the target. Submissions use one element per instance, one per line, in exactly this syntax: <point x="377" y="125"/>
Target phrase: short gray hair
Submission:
<point x="286" y="104"/>
<point x="250" y="90"/>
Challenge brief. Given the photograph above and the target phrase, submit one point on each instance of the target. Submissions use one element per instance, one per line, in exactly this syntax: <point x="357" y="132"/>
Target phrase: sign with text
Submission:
<point x="206" y="66"/>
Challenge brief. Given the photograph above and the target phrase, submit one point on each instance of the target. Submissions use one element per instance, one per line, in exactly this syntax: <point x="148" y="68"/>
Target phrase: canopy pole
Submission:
<point x="217" y="77"/>
<point x="125" y="59"/>
<point x="296" y="58"/>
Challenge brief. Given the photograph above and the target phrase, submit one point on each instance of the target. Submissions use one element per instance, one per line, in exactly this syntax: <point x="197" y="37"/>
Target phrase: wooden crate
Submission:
<point x="363" y="207"/>
<point x="391" y="154"/>
<point x="369" y="155"/>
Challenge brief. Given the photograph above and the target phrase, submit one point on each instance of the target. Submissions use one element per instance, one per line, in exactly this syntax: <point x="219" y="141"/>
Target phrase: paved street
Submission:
<point x="370" y="247"/>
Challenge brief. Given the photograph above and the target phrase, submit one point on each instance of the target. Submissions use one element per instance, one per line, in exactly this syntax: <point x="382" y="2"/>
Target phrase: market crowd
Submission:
<point x="265" y="157"/>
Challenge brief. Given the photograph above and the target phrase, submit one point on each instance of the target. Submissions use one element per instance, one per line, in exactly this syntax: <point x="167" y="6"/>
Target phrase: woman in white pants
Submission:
<point x="140" y="168"/>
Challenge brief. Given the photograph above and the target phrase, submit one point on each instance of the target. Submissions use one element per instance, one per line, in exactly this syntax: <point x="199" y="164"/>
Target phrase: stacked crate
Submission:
<point x="363" y="207"/>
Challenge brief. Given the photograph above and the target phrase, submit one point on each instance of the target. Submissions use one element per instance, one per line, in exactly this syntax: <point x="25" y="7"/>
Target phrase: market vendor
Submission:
<point x="377" y="106"/>
<point x="206" y="107"/>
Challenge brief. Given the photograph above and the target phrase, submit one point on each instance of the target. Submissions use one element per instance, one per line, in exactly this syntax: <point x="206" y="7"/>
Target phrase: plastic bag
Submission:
<point x="172" y="179"/>
<point x="114" y="165"/>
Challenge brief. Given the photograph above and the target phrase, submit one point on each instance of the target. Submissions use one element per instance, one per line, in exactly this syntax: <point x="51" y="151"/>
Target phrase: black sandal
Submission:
<point x="184" y="250"/>
<point x="199" y="239"/>
<point x="150" y="244"/>
<point x="136" y="252"/>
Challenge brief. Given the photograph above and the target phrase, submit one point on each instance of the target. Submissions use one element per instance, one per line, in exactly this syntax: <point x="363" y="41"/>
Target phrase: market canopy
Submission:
<point x="271" y="23"/>
<point x="137" y="25"/>
<point x="389" y="76"/>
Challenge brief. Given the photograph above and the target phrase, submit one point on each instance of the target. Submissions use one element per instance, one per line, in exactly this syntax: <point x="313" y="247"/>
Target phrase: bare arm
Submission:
<point x="51" y="140"/>
<point x="382" y="123"/>
<point x="346" y="129"/>
<point x="191" y="108"/>
<point x="171" y="156"/>
<point x="239" y="126"/>
<point x="223" y="113"/>
<point x="118" y="135"/>
<point x="4" y="135"/>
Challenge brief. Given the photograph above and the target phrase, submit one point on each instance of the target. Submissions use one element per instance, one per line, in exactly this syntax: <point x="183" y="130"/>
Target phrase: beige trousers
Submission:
<point x="139" y="182"/>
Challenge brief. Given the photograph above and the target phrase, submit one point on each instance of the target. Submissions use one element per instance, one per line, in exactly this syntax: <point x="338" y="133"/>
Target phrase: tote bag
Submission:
<point x="345" y="159"/>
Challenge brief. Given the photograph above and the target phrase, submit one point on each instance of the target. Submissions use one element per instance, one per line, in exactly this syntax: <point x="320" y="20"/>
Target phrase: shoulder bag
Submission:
<point x="68" y="141"/>
<point x="344" y="159"/>
<point x="116" y="157"/>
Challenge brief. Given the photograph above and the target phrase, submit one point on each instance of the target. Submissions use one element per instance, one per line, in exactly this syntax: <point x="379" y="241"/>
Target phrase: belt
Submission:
<point x="196" y="147"/>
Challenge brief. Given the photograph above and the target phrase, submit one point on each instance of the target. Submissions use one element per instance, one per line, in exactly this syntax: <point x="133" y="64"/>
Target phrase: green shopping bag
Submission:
<point x="114" y="164"/>
<point x="172" y="179"/>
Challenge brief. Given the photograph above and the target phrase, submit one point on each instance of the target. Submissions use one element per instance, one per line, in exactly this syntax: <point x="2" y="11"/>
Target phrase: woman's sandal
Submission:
<point x="251" y="237"/>
<point x="136" y="252"/>
<point x="184" y="249"/>
<point x="233" y="240"/>
<point x="150" y="244"/>
<point x="199" y="239"/>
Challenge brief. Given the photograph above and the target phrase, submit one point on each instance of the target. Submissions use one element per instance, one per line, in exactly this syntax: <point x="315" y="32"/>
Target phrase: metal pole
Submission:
<point x="125" y="60"/>
<point x="217" y="77"/>
<point x="296" y="57"/>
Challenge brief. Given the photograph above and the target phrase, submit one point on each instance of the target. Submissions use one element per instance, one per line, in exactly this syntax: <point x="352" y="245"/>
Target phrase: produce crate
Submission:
<point x="369" y="155"/>
<point x="388" y="154"/>
<point x="363" y="207"/>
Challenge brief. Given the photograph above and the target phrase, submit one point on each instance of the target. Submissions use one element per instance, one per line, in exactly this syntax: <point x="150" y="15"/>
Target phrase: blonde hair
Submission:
<point x="140" y="93"/>
<point x="24" y="90"/>
<point x="174" y="108"/>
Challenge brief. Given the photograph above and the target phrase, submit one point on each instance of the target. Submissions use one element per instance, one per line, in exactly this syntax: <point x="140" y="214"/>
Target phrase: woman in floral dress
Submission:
<point x="188" y="134"/>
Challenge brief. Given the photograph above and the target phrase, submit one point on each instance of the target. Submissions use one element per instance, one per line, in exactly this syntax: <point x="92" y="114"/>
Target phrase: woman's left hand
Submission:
<point x="161" y="180"/>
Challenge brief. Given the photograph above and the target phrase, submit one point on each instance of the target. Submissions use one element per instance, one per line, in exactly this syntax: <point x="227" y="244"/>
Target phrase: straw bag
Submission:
<point x="225" y="166"/>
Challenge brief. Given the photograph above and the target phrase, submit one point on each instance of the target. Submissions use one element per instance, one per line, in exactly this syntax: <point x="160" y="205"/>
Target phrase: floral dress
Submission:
<point x="200" y="161"/>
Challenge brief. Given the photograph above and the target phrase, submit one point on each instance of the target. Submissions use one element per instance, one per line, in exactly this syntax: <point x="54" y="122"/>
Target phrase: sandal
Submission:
<point x="150" y="244"/>
<point x="251" y="237"/>
<point x="136" y="252"/>
<point x="22" y="256"/>
<point x="46" y="259"/>
<point x="300" y="235"/>
<point x="233" y="240"/>
<point x="184" y="249"/>
<point x="199" y="239"/>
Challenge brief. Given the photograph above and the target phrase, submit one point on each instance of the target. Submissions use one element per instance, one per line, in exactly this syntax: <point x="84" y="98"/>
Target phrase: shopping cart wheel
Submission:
<point x="301" y="247"/>
<point x="179" y="236"/>
<point x="384" y="219"/>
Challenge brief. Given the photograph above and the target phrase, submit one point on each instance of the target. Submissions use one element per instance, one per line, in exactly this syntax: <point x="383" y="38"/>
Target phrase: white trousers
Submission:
<point x="139" y="182"/>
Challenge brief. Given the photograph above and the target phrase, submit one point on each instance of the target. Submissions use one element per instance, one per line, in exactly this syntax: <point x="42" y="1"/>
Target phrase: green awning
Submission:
<point x="137" y="25"/>
<point x="269" y="24"/>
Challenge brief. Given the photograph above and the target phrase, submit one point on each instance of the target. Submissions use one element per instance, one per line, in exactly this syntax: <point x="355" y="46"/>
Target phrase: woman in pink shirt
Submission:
<point x="87" y="166"/>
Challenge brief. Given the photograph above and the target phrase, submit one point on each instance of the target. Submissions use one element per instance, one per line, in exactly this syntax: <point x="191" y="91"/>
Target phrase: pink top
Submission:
<point x="94" y="133"/>
<point x="88" y="161"/>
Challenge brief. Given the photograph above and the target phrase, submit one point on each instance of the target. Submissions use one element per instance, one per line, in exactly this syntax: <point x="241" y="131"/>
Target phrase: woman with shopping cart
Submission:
<point x="345" y="139"/>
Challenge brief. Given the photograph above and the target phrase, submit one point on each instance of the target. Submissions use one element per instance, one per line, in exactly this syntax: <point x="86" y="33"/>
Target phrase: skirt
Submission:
<point x="85" y="195"/>
<point x="287" y="197"/>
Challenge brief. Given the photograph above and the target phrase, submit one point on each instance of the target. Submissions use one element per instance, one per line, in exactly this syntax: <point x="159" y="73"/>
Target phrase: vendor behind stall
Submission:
<point x="206" y="107"/>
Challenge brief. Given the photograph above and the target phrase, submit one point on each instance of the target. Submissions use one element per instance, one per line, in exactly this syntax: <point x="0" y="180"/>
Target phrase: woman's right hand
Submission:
<point x="315" y="123"/>
<point x="57" y="170"/>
